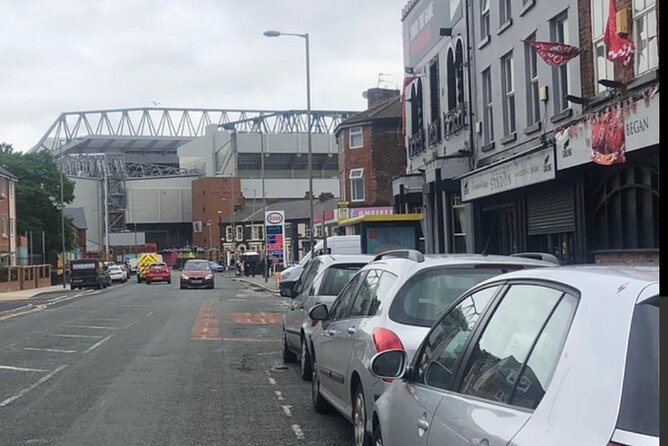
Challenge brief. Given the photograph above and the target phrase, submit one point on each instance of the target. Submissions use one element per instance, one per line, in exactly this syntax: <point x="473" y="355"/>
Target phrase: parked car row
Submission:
<point x="473" y="349"/>
<point x="94" y="273"/>
<point x="195" y="273"/>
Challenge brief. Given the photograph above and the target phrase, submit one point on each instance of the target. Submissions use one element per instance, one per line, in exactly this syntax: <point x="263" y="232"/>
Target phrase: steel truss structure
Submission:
<point x="148" y="123"/>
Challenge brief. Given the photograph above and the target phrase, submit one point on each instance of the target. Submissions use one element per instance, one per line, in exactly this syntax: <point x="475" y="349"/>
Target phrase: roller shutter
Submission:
<point x="550" y="210"/>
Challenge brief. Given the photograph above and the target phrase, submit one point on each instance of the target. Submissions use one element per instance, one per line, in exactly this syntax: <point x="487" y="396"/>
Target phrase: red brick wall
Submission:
<point x="210" y="195"/>
<point x="382" y="157"/>
<point x="4" y="213"/>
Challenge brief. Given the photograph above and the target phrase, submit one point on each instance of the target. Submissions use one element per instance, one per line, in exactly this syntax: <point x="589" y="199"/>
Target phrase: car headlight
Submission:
<point x="209" y="276"/>
<point x="184" y="277"/>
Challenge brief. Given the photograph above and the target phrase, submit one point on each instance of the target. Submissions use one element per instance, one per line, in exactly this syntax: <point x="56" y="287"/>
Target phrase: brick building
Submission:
<point x="213" y="201"/>
<point x="371" y="150"/>
<point x="7" y="217"/>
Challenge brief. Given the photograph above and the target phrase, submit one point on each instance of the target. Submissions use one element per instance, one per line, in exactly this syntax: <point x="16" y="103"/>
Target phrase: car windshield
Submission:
<point x="158" y="267"/>
<point x="427" y="295"/>
<point x="336" y="277"/>
<point x="115" y="269"/>
<point x="639" y="411"/>
<point x="195" y="266"/>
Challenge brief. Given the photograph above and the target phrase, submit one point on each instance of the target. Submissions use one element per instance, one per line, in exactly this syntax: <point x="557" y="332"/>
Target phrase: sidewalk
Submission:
<point x="27" y="294"/>
<point x="258" y="280"/>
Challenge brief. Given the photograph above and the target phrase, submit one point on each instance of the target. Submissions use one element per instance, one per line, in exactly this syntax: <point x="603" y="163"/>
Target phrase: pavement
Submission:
<point x="139" y="364"/>
<point x="258" y="280"/>
<point x="27" y="294"/>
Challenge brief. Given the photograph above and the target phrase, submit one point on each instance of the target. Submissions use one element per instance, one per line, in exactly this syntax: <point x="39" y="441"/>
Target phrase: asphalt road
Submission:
<point x="144" y="364"/>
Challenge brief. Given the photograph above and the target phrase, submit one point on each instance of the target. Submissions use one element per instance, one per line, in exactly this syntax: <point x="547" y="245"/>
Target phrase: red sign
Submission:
<point x="274" y="218"/>
<point x="618" y="47"/>
<point x="608" y="143"/>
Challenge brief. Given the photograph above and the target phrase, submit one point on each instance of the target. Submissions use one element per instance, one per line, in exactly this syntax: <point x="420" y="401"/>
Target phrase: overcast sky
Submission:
<point x="71" y="55"/>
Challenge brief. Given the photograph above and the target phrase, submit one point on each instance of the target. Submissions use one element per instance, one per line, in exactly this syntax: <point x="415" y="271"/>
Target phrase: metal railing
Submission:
<point x="416" y="143"/>
<point x="455" y="119"/>
<point x="434" y="132"/>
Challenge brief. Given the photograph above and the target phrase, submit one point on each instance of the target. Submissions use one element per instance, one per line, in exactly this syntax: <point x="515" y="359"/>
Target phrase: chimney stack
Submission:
<point x="375" y="96"/>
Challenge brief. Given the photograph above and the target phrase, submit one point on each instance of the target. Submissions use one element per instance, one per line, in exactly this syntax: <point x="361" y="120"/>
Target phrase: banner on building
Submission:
<point x="619" y="48"/>
<point x="554" y="53"/>
<point x="607" y="138"/>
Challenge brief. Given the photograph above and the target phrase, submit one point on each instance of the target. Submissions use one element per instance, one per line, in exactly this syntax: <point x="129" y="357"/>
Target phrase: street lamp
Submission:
<point x="272" y="33"/>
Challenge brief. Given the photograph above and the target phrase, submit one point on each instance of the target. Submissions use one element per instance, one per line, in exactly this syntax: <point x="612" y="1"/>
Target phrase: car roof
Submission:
<point x="331" y="259"/>
<point x="626" y="280"/>
<point x="407" y="267"/>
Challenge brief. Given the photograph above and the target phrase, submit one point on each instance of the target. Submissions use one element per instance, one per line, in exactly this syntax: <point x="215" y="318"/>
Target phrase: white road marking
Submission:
<point x="21" y="369"/>
<point x="22" y="392"/>
<point x="107" y="319"/>
<point x="298" y="431"/>
<point x="279" y="395"/>
<point x="272" y="381"/>
<point x="96" y="327"/>
<point x="52" y="350"/>
<point x="96" y="345"/>
<point x="148" y="314"/>
<point x="75" y="336"/>
<point x="286" y="409"/>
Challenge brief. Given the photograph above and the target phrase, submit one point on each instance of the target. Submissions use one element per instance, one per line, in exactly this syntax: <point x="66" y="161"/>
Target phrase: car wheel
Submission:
<point x="138" y="279"/>
<point x="148" y="282"/>
<point x="319" y="403"/>
<point x="377" y="437"/>
<point x="182" y="287"/>
<point x="359" y="418"/>
<point x="288" y="356"/>
<point x="305" y="362"/>
<point x="169" y="281"/>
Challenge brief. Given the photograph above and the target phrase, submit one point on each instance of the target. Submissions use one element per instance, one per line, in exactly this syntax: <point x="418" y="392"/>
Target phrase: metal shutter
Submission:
<point x="550" y="210"/>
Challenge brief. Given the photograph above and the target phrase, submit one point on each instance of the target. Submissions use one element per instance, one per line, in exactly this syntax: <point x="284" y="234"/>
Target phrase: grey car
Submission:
<point x="322" y="279"/>
<point x="391" y="303"/>
<point x="556" y="356"/>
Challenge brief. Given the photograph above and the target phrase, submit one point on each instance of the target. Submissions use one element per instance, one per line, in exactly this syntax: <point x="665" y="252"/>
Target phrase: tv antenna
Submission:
<point x="381" y="80"/>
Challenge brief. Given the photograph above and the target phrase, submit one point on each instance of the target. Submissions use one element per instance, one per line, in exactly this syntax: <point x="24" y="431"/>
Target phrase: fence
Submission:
<point x="16" y="278"/>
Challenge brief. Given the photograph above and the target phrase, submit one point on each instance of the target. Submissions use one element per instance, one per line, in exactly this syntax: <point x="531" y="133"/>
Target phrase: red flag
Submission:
<point x="618" y="47"/>
<point x="554" y="53"/>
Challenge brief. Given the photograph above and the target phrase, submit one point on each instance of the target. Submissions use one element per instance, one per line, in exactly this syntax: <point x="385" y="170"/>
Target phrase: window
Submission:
<point x="508" y="82"/>
<point x="257" y="232"/>
<point x="533" y="99"/>
<point x="308" y="276"/>
<point x="488" y="108"/>
<point x="5" y="228"/>
<point x="434" y="89"/>
<point x="376" y="283"/>
<point x="484" y="20"/>
<point x="603" y="68"/>
<point x="513" y="360"/>
<point x="427" y="295"/>
<point x="3" y="187"/>
<point x="341" y="305"/>
<point x="447" y="341"/>
<point x="356" y="139"/>
<point x="357" y="184"/>
<point x="559" y="31"/>
<point x="504" y="12"/>
<point x="457" y="211"/>
<point x="239" y="233"/>
<point x="228" y="233"/>
<point x="12" y="227"/>
<point x="336" y="277"/>
<point x="644" y="29"/>
<point x="639" y="409"/>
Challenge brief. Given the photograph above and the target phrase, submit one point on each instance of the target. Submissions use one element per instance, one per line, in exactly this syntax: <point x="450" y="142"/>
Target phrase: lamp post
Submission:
<point x="62" y="212"/>
<point x="308" y="120"/>
<point x="264" y="205"/>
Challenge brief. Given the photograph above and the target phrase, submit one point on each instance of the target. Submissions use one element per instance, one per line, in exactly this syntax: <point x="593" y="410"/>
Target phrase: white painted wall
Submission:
<point x="159" y="200"/>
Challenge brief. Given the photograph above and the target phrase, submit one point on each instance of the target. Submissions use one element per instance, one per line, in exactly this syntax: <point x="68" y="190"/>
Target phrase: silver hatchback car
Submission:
<point x="550" y="357"/>
<point x="321" y="280"/>
<point x="391" y="303"/>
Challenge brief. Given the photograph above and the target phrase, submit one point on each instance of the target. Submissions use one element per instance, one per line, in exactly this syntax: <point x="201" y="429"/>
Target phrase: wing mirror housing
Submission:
<point x="318" y="312"/>
<point x="390" y="364"/>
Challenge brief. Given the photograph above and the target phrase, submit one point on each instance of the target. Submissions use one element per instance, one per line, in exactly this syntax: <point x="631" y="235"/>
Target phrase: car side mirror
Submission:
<point x="318" y="312"/>
<point x="286" y="292"/>
<point x="390" y="364"/>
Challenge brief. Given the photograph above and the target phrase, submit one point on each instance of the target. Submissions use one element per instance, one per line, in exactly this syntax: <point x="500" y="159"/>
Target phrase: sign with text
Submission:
<point x="422" y="25"/>
<point x="274" y="230"/>
<point x="576" y="144"/>
<point x="530" y="169"/>
<point x="376" y="210"/>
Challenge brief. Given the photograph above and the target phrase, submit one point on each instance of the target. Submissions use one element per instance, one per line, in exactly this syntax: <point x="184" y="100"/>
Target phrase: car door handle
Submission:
<point x="351" y="330"/>
<point x="423" y="424"/>
<point x="331" y="332"/>
<point x="480" y="442"/>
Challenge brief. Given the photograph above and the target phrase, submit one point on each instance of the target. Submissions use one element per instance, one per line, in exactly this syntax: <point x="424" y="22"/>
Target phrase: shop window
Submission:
<point x="457" y="215"/>
<point x="625" y="203"/>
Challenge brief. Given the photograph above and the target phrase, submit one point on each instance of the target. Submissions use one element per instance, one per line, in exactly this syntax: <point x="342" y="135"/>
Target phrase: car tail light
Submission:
<point x="384" y="339"/>
<point x="314" y="322"/>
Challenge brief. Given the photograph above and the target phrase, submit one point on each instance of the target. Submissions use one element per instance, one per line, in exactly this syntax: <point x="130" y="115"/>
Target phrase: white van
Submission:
<point x="336" y="244"/>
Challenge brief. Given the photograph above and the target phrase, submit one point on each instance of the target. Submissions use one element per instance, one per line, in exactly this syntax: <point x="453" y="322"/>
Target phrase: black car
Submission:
<point x="196" y="274"/>
<point x="89" y="273"/>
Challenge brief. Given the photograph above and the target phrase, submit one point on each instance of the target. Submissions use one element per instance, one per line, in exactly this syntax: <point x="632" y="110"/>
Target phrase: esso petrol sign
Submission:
<point x="274" y="218"/>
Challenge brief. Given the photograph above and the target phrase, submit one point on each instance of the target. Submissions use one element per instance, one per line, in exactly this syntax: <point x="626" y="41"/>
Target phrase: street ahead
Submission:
<point x="144" y="364"/>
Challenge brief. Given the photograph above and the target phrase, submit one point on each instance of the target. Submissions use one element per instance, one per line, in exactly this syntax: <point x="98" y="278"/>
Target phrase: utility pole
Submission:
<point x="264" y="206"/>
<point x="62" y="214"/>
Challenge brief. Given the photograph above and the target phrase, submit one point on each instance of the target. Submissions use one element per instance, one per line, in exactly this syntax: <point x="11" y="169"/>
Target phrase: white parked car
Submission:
<point x="118" y="273"/>
<point x="389" y="304"/>
<point x="550" y="357"/>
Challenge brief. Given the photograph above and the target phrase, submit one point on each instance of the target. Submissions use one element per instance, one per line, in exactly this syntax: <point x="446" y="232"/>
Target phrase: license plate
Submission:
<point x="196" y="281"/>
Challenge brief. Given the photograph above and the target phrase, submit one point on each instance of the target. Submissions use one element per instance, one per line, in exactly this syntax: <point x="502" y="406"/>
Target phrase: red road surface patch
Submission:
<point x="207" y="324"/>
<point x="256" y="318"/>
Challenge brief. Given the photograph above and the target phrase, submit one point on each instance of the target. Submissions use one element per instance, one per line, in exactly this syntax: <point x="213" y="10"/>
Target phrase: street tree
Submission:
<point x="38" y="197"/>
